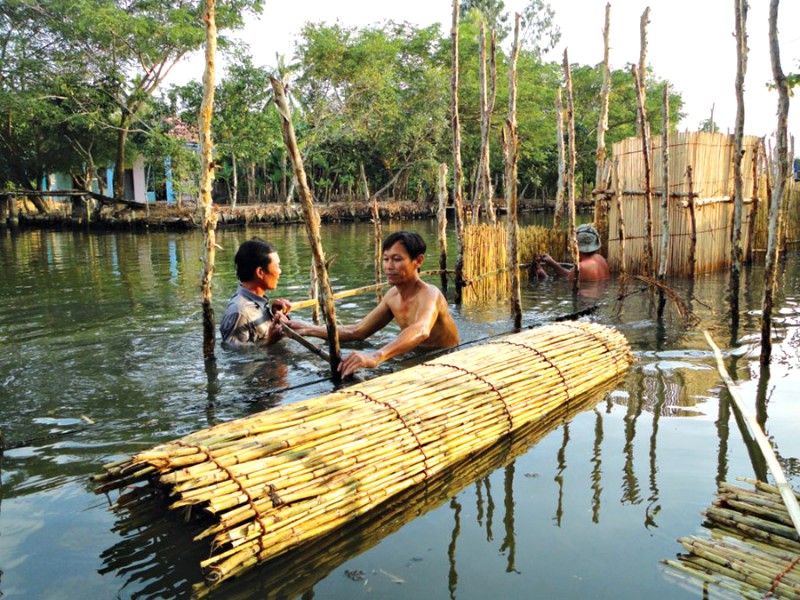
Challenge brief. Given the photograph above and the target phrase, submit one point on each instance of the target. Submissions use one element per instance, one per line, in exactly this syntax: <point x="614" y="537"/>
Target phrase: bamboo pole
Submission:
<point x="740" y="12"/>
<point x="784" y="488"/>
<point x="573" y="241"/>
<point x="559" y="208"/>
<point x="601" y="206"/>
<point x="781" y="175"/>
<point x="207" y="177"/>
<point x="442" y="221"/>
<point x="511" y="147"/>
<point x="458" y="173"/>
<point x="312" y="227"/>
<point x="377" y="237"/>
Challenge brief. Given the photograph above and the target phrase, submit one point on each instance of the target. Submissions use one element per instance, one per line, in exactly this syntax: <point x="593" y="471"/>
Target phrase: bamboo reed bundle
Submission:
<point x="535" y="240"/>
<point x="754" y="548"/>
<point x="486" y="263"/>
<point x="275" y="480"/>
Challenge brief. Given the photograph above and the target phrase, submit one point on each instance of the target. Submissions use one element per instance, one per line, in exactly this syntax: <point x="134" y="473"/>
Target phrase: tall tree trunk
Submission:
<point x="573" y="240"/>
<point x="559" y="208"/>
<point x="442" y="220"/>
<point x="312" y="227"/>
<point x="119" y="165"/>
<point x="458" y="173"/>
<point x="781" y="175"/>
<point x="485" y="193"/>
<point x="235" y="190"/>
<point x="511" y="148"/>
<point x="648" y="187"/>
<point x="740" y="11"/>
<point x="207" y="177"/>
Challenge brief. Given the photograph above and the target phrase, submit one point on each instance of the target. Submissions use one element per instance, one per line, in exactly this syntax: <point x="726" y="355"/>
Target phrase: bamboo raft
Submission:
<point x="754" y="548"/>
<point x="275" y="480"/>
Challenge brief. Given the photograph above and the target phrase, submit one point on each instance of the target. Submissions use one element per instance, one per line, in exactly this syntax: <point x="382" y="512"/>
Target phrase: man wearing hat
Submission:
<point x="593" y="266"/>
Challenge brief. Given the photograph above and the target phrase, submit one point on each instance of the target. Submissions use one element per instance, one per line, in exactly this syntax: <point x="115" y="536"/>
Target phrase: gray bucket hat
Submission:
<point x="588" y="239"/>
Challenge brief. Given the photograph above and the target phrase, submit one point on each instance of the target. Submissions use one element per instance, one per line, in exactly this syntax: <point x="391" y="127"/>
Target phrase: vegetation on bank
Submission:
<point x="82" y="87"/>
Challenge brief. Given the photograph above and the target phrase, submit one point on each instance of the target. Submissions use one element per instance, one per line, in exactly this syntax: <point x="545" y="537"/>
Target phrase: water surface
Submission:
<point x="101" y="357"/>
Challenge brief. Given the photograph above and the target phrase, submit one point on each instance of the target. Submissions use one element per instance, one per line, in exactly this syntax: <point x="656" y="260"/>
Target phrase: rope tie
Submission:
<point x="273" y="496"/>
<point x="482" y="380"/>
<point x="401" y="419"/>
<point x="545" y="359"/>
<point x="780" y="576"/>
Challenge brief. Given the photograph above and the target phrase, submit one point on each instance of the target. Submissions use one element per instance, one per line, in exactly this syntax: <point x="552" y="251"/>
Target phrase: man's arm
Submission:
<point x="409" y="338"/>
<point x="378" y="318"/>
<point x="558" y="267"/>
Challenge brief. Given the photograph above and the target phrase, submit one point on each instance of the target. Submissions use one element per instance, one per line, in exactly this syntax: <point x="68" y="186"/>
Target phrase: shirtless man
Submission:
<point x="593" y="266"/>
<point x="418" y="307"/>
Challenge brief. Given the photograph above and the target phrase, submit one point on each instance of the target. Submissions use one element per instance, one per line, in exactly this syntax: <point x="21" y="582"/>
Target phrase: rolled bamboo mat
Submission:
<point x="275" y="480"/>
<point x="754" y="549"/>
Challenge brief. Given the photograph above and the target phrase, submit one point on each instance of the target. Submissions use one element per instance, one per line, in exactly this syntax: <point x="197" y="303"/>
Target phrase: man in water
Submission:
<point x="593" y="266"/>
<point x="419" y="308"/>
<point x="248" y="318"/>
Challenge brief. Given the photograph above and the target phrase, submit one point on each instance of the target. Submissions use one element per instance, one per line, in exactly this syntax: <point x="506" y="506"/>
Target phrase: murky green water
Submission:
<point x="107" y="328"/>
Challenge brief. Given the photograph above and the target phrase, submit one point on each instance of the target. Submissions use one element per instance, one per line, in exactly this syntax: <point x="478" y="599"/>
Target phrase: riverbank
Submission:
<point x="162" y="216"/>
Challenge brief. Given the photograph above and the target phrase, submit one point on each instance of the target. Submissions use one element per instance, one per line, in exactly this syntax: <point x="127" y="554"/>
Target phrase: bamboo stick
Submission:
<point x="511" y="146"/>
<point x="441" y="216"/>
<point x="573" y="241"/>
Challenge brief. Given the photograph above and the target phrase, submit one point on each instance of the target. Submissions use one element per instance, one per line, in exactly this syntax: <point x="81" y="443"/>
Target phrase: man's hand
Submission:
<point x="357" y="360"/>
<point x="281" y="305"/>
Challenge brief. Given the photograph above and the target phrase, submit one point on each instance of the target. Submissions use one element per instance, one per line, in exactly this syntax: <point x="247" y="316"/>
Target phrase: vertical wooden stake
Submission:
<point x="312" y="227"/>
<point x="662" y="265"/>
<point x="442" y="218"/>
<point x="648" y="187"/>
<point x="753" y="216"/>
<point x="559" y="208"/>
<point x="621" y="217"/>
<point x="600" y="197"/>
<point x="207" y="177"/>
<point x="740" y="12"/>
<point x="458" y="172"/>
<point x="573" y="240"/>
<point x="781" y="175"/>
<point x="511" y="147"/>
<point x="641" y="68"/>
<point x="692" y="223"/>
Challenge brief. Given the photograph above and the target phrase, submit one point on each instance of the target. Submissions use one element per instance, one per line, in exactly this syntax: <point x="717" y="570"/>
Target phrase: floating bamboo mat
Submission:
<point x="754" y="550"/>
<point x="277" y="479"/>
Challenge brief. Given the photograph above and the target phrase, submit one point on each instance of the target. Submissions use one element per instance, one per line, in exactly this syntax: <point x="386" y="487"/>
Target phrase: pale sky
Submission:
<point x="690" y="43"/>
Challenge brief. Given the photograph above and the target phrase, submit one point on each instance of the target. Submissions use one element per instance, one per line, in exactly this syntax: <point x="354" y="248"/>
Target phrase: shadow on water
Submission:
<point x="144" y="557"/>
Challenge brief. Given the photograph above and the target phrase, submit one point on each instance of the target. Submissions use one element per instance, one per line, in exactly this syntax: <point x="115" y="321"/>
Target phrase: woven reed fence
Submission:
<point x="754" y="550"/>
<point x="486" y="264"/>
<point x="277" y="479"/>
<point x="711" y="157"/>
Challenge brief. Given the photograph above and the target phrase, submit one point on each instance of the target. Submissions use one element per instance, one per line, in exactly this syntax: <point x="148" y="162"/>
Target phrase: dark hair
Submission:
<point x="251" y="255"/>
<point x="411" y="241"/>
